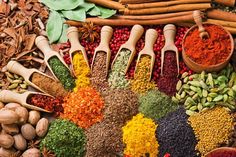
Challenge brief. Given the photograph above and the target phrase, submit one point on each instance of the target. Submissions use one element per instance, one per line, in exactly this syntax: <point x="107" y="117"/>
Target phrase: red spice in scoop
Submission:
<point x="209" y="51"/>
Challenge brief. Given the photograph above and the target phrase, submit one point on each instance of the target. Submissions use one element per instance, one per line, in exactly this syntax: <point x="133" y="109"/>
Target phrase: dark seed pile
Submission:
<point x="175" y="136"/>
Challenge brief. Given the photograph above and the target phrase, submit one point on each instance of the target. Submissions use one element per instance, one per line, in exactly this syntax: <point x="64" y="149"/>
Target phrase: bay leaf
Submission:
<point x="63" y="37"/>
<point x="77" y="14"/>
<point x="62" y="4"/>
<point x="87" y="6"/>
<point x="54" y="26"/>
<point x="95" y="11"/>
<point x="106" y="13"/>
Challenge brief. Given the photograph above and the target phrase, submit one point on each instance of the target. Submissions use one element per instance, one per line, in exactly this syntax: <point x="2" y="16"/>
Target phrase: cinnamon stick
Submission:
<point x="223" y="23"/>
<point x="121" y="22"/>
<point x="175" y="8"/>
<point x="232" y="30"/>
<point x="153" y="17"/>
<point x="230" y="3"/>
<point x="135" y="1"/>
<point x="108" y="4"/>
<point x="221" y="15"/>
<point x="164" y="4"/>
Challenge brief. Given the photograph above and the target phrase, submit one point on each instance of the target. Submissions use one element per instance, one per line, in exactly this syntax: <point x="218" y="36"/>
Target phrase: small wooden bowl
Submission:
<point x="198" y="67"/>
<point x="222" y="152"/>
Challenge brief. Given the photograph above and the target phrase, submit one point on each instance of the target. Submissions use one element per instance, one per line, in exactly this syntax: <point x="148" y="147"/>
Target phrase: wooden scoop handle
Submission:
<point x="9" y="96"/>
<point x="135" y="34"/>
<point x="73" y="36"/>
<point x="106" y="34"/>
<point x="150" y="38"/>
<point x="198" y="20"/>
<point x="42" y="43"/>
<point x="169" y="34"/>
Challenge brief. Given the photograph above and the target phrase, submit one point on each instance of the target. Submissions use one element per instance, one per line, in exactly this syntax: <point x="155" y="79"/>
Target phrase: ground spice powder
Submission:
<point x="84" y="107"/>
<point x="50" y="86"/>
<point x="139" y="137"/>
<point x="212" y="128"/>
<point x="141" y="83"/>
<point x="81" y="71"/>
<point x="209" y="51"/>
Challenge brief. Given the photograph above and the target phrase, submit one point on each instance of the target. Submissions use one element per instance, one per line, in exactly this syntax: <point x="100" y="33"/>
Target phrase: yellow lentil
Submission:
<point x="139" y="137"/>
<point x="212" y="128"/>
<point x="141" y="83"/>
<point x="81" y="71"/>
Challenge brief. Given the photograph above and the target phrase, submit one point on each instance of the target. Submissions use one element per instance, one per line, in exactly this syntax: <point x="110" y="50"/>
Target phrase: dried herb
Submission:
<point x="117" y="78"/>
<point x="175" y="136"/>
<point x="62" y="73"/>
<point x="212" y="128"/>
<point x="155" y="104"/>
<point x="64" y="139"/>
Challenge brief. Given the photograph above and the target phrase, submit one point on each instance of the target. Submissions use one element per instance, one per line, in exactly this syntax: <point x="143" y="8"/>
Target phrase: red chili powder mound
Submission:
<point x="209" y="51"/>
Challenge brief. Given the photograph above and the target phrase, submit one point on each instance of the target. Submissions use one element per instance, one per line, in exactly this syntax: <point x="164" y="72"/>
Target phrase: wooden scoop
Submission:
<point x="106" y="34"/>
<point x="150" y="38"/>
<point x="73" y="36"/>
<point x="135" y="35"/>
<point x="42" y="43"/>
<point x="17" y="68"/>
<point x="169" y="34"/>
<point x="10" y="96"/>
<point x="198" y="20"/>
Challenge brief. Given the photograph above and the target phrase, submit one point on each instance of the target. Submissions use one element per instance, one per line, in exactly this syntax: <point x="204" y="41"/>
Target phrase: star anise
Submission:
<point x="47" y="153"/>
<point x="33" y="144"/>
<point x="89" y="31"/>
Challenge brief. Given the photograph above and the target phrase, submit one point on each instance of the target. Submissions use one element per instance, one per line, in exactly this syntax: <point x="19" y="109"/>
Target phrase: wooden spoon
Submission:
<point x="17" y="68"/>
<point x="150" y="38"/>
<point x="106" y="34"/>
<point x="10" y="96"/>
<point x="169" y="34"/>
<point x="135" y="35"/>
<point x="73" y="36"/>
<point x="42" y="43"/>
<point x="198" y="20"/>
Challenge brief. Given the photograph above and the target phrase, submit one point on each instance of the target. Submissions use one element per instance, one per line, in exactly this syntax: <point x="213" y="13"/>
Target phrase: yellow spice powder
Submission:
<point x="139" y="137"/>
<point x="141" y="83"/>
<point x="212" y="128"/>
<point x="81" y="71"/>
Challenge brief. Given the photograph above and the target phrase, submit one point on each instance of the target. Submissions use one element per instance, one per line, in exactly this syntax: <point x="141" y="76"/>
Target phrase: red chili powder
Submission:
<point x="209" y="51"/>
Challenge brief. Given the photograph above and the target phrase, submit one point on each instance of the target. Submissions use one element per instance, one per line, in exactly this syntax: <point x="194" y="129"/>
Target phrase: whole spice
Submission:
<point x="84" y="107"/>
<point x="167" y="82"/>
<point x="154" y="104"/>
<point x="81" y="71"/>
<point x="46" y="102"/>
<point x="42" y="127"/>
<point x="99" y="74"/>
<point x="19" y="142"/>
<point x="62" y="73"/>
<point x="117" y="78"/>
<point x="23" y="113"/>
<point x="64" y="139"/>
<point x="139" y="137"/>
<point x="210" y="51"/>
<point x="6" y="141"/>
<point x="11" y="129"/>
<point x="34" y="117"/>
<point x="140" y="83"/>
<point x="8" y="116"/>
<point x="31" y="152"/>
<point x="175" y="136"/>
<point x="28" y="131"/>
<point x="49" y="85"/>
<point x="212" y="128"/>
<point x="89" y="31"/>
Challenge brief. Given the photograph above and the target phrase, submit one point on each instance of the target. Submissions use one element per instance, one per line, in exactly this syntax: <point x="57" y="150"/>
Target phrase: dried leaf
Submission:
<point x="29" y="41"/>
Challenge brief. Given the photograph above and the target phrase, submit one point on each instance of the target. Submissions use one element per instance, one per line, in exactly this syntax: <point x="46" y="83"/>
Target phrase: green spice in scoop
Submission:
<point x="62" y="73"/>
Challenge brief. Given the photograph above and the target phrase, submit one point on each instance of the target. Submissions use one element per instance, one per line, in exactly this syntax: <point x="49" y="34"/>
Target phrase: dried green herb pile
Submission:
<point x="117" y="78"/>
<point x="155" y="104"/>
<point x="64" y="139"/>
<point x="212" y="128"/>
<point x="202" y="91"/>
<point x="175" y="136"/>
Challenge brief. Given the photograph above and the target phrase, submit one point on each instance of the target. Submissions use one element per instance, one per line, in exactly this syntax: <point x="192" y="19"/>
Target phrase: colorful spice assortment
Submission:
<point x="46" y="102"/>
<point x="64" y="139"/>
<point x="203" y="91"/>
<point x="99" y="75"/>
<point x="81" y="70"/>
<point x="167" y="82"/>
<point x="155" y="104"/>
<point x="62" y="73"/>
<point x="49" y="85"/>
<point x="83" y="107"/>
<point x="117" y="78"/>
<point x="139" y="137"/>
<point x="175" y="136"/>
<point x="141" y="83"/>
<point x="210" y="51"/>
<point x="212" y="128"/>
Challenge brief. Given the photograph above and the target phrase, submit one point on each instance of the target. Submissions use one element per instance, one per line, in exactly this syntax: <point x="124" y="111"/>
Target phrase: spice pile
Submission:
<point x="81" y="71"/>
<point x="212" y="128"/>
<point x="175" y="135"/>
